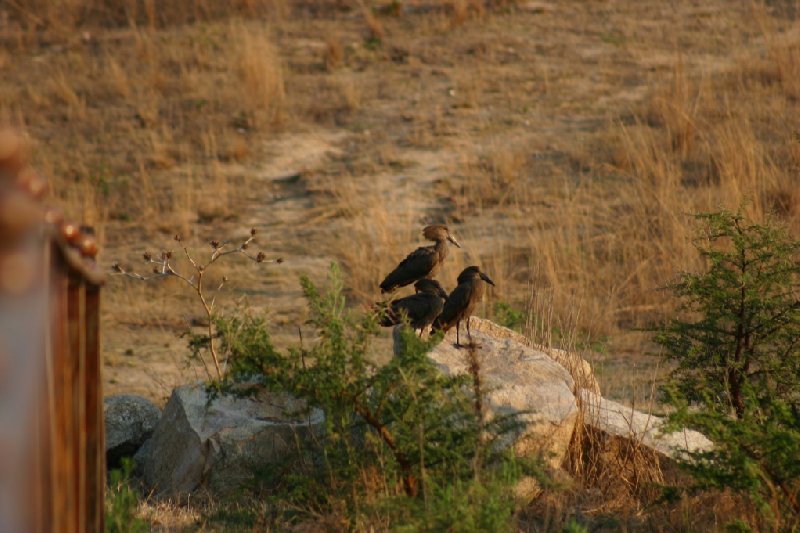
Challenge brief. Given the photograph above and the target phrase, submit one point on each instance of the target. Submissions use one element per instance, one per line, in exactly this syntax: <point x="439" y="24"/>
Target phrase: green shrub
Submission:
<point x="462" y="505"/>
<point x="121" y="502"/>
<point x="573" y="526"/>
<point x="403" y="442"/>
<point x="737" y="350"/>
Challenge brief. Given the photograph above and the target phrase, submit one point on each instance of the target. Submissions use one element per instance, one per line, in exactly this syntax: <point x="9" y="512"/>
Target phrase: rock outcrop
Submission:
<point x="129" y="421"/>
<point x="551" y="385"/>
<point x="518" y="378"/>
<point x="580" y="369"/>
<point x="219" y="443"/>
<point x="621" y="421"/>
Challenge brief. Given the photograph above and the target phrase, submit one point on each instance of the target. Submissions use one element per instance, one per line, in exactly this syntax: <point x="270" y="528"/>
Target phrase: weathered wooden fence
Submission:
<point x="52" y="457"/>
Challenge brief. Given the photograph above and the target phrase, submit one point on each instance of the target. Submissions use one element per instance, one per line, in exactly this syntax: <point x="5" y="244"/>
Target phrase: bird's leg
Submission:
<point x="458" y="329"/>
<point x="420" y="332"/>
<point x="471" y="342"/>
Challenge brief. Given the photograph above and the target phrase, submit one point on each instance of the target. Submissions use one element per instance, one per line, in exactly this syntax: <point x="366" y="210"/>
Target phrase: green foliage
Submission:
<point x="462" y="505"/>
<point x="737" y="349"/>
<point x="247" y="347"/>
<point x="738" y="526"/>
<point x="121" y="502"/>
<point x="573" y="526"/>
<point x="508" y="316"/>
<point x="402" y="441"/>
<point x="744" y="317"/>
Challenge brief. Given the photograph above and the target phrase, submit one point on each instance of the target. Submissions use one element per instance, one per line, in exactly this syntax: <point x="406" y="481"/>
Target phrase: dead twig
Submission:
<point x="163" y="267"/>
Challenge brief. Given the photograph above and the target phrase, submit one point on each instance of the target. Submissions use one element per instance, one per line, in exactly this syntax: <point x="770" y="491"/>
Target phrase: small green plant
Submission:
<point x="247" y="345"/>
<point x="121" y="502"/>
<point x="509" y="317"/>
<point x="462" y="505"/>
<point x="737" y="351"/>
<point x="573" y="526"/>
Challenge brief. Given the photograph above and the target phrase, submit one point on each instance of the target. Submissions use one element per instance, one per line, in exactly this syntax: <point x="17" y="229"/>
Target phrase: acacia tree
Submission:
<point x="736" y="347"/>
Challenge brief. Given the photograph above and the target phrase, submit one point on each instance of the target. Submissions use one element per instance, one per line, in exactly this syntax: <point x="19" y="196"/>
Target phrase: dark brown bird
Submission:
<point x="462" y="301"/>
<point x="420" y="309"/>
<point x="424" y="262"/>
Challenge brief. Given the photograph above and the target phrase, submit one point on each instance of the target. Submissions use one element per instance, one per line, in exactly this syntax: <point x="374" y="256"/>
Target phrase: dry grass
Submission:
<point x="580" y="190"/>
<point x="375" y="29"/>
<point x="616" y="485"/>
<point x="60" y="18"/>
<point x="334" y="52"/>
<point x="567" y="145"/>
<point x="627" y="473"/>
<point x="261" y="73"/>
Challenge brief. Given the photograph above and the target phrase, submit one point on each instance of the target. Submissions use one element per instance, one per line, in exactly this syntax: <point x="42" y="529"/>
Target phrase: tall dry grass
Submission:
<point x="615" y="225"/>
<point x="131" y="124"/>
<point x="62" y="18"/>
<point x="697" y="143"/>
<point x="260" y="71"/>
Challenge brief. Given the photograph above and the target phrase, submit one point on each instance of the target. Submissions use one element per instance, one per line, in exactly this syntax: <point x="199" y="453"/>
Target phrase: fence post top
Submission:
<point x="22" y="211"/>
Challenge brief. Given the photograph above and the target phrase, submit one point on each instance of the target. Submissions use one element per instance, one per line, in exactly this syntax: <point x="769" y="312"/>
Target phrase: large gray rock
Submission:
<point x="638" y="427"/>
<point x="518" y="378"/>
<point x="551" y="388"/>
<point x="219" y="443"/>
<point x="129" y="421"/>
<point x="580" y="369"/>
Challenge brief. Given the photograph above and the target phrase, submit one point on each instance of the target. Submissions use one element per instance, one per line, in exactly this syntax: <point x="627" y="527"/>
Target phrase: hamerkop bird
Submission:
<point x="419" y="309"/>
<point x="462" y="301"/>
<point x="424" y="262"/>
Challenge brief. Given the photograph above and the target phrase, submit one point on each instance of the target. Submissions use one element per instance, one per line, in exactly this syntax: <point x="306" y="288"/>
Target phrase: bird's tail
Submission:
<point x="386" y="286"/>
<point x="393" y="281"/>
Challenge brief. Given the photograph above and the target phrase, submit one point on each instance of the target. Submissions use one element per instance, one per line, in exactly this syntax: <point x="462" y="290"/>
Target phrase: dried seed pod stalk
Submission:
<point x="164" y="266"/>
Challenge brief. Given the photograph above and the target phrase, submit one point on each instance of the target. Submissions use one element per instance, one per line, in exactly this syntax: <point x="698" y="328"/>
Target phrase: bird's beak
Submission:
<point x="453" y="240"/>
<point x="485" y="278"/>
<point x="443" y="294"/>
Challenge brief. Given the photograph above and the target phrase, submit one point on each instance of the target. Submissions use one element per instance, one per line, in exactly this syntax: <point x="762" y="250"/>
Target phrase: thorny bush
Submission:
<point x="737" y="349"/>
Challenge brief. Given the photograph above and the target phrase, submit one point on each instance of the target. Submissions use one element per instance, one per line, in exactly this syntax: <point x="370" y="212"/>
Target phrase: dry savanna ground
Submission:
<point x="566" y="143"/>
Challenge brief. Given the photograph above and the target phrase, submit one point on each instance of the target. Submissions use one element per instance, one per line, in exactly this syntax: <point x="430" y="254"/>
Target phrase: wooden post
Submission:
<point x="95" y="445"/>
<point x="49" y="314"/>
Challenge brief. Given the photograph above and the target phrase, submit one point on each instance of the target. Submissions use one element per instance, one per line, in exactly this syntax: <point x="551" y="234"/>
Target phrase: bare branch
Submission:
<point x="162" y="267"/>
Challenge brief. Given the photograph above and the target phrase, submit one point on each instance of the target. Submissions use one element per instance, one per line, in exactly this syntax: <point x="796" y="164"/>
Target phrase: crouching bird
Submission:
<point x="424" y="262"/>
<point x="462" y="301"/>
<point x="419" y="309"/>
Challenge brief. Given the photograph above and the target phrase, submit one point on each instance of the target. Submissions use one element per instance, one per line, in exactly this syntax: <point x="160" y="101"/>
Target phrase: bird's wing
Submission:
<point x="432" y="309"/>
<point x="416" y="265"/>
<point x="456" y="303"/>
<point x="412" y="306"/>
<point x="437" y="306"/>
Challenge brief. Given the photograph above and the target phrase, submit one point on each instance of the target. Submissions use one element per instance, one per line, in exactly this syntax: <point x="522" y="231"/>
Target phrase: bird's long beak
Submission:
<point x="485" y="278"/>
<point x="453" y="240"/>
